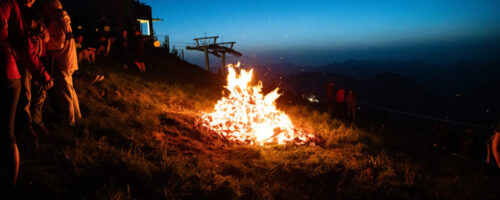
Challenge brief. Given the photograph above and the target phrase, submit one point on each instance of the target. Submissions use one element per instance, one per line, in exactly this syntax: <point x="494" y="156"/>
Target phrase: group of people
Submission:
<point x="343" y="105"/>
<point x="340" y="104"/>
<point x="127" y="48"/>
<point x="468" y="144"/>
<point x="38" y="58"/>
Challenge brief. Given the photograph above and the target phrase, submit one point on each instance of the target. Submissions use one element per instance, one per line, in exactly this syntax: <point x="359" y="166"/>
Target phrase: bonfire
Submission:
<point x="248" y="116"/>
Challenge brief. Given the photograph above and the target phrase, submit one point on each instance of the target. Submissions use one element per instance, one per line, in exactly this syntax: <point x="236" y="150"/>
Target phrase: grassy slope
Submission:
<point x="140" y="139"/>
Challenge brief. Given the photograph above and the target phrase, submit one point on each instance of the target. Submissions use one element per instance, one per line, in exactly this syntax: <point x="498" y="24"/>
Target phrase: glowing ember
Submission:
<point x="248" y="116"/>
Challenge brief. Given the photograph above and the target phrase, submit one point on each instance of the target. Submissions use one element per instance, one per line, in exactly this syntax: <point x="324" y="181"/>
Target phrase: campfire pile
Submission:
<point x="247" y="116"/>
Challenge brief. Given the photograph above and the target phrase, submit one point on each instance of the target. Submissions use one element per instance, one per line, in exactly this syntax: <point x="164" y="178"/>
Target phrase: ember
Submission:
<point x="248" y="116"/>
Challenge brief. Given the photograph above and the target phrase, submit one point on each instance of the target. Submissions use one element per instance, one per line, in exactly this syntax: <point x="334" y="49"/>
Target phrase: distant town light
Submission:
<point x="107" y="28"/>
<point x="311" y="98"/>
<point x="79" y="27"/>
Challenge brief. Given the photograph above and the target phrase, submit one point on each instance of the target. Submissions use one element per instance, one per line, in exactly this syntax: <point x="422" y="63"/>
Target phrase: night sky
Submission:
<point x="322" y="32"/>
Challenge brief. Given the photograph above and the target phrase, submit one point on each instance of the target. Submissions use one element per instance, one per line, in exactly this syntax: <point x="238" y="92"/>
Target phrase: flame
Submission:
<point x="248" y="116"/>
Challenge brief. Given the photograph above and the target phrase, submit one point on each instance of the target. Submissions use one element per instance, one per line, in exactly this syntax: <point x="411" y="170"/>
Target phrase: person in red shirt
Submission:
<point x="14" y="42"/>
<point x="341" y="107"/>
<point x="33" y="95"/>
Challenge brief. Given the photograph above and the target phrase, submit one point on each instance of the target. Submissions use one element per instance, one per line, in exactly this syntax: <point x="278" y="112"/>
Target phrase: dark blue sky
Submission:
<point x="322" y="32"/>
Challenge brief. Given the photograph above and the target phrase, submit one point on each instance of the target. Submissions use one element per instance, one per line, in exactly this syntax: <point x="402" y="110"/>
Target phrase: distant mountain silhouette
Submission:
<point x="445" y="80"/>
<point x="440" y="79"/>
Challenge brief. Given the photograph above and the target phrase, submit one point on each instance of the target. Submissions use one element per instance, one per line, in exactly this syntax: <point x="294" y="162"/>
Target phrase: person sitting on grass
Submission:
<point x="84" y="52"/>
<point x="103" y="46"/>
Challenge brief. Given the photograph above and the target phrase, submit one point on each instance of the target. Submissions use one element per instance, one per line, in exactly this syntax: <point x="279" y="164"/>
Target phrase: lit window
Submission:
<point x="144" y="26"/>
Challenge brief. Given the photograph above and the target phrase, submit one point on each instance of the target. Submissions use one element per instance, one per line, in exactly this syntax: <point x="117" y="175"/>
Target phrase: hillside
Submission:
<point x="141" y="139"/>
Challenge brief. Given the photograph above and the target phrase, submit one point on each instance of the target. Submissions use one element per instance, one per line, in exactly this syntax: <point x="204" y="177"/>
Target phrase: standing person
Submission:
<point x="341" y="103"/>
<point x="33" y="95"/>
<point x="122" y="44"/>
<point x="330" y="97"/>
<point x="440" y="134"/>
<point x="351" y="105"/>
<point x="493" y="146"/>
<point x="13" y="37"/>
<point x="468" y="143"/>
<point x="63" y="50"/>
<point x="138" y="50"/>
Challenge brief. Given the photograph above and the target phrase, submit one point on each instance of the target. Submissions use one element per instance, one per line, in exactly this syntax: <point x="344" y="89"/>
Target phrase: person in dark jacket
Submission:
<point x="84" y="51"/>
<point x="330" y="97"/>
<point x="13" y="37"/>
<point x="468" y="143"/>
<point x="440" y="134"/>
<point x="137" y="46"/>
<point x="351" y="105"/>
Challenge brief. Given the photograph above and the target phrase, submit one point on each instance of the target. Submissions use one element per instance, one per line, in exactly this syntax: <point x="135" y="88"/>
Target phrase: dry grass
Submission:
<point x="140" y="139"/>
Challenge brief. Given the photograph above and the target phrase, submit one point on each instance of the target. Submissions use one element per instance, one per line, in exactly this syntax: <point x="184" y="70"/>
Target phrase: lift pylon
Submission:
<point x="209" y="45"/>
